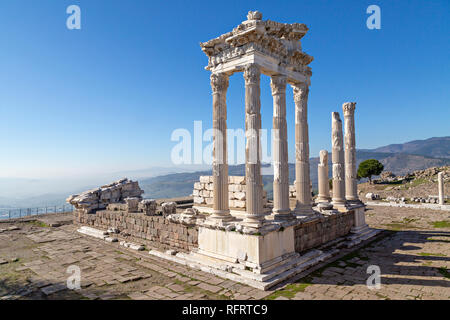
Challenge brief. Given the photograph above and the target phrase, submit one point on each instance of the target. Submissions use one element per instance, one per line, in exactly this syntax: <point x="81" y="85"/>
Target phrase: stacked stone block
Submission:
<point x="153" y="230"/>
<point x="203" y="192"/>
<point x="317" y="232"/>
<point x="100" y="198"/>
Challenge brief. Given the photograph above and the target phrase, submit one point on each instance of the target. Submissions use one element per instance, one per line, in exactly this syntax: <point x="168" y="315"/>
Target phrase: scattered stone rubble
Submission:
<point x="429" y="173"/>
<point x="100" y="198"/>
<point x="373" y="196"/>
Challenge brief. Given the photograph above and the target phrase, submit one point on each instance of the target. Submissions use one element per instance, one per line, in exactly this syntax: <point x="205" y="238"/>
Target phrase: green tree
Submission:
<point x="369" y="168"/>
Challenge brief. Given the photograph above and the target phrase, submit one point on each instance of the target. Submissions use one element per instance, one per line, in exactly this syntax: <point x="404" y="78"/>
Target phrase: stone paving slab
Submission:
<point x="414" y="261"/>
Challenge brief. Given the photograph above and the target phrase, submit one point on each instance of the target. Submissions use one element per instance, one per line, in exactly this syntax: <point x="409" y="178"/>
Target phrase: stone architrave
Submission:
<point x="324" y="187"/>
<point x="337" y="160"/>
<point x="441" y="187"/>
<point x="351" y="189"/>
<point x="281" y="208"/>
<point x="221" y="211"/>
<point x="302" y="178"/>
<point x="254" y="186"/>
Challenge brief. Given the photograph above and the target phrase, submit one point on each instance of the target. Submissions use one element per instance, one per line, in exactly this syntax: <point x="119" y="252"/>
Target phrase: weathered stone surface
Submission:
<point x="100" y="198"/>
<point x="372" y="196"/>
<point x="141" y="228"/>
<point x="132" y="204"/>
<point x="237" y="192"/>
<point x="147" y="206"/>
<point x="169" y="208"/>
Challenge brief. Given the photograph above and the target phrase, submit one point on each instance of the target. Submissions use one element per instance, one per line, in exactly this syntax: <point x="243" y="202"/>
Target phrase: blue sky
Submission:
<point x="107" y="97"/>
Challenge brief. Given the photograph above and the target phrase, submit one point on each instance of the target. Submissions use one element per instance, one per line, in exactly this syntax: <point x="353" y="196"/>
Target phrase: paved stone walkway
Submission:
<point x="413" y="259"/>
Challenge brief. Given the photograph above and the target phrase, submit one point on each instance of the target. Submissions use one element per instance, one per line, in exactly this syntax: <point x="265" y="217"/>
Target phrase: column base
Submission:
<point x="323" y="199"/>
<point x="325" y="205"/>
<point x="353" y="200"/>
<point x="282" y="215"/>
<point x="219" y="217"/>
<point x="254" y="221"/>
<point x="303" y="210"/>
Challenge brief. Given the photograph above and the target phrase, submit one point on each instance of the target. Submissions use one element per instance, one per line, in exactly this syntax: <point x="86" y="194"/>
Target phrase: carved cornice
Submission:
<point x="278" y="84"/>
<point x="274" y="39"/>
<point x="254" y="15"/>
<point x="252" y="74"/>
<point x="219" y="82"/>
<point x="349" y="108"/>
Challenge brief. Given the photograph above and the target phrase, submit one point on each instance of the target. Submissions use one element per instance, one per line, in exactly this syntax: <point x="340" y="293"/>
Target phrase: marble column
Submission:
<point x="281" y="208"/>
<point x="441" y="187"/>
<point x="254" y="186"/>
<point x="351" y="189"/>
<point x="221" y="211"/>
<point x="337" y="160"/>
<point x="324" y="186"/>
<point x="302" y="179"/>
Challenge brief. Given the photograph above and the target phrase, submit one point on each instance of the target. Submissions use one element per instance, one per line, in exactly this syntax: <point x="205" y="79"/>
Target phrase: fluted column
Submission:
<point x="302" y="178"/>
<point x="281" y="208"/>
<point x="441" y="188"/>
<point x="254" y="186"/>
<point x="337" y="160"/>
<point x="351" y="189"/>
<point x="324" y="186"/>
<point x="219" y="85"/>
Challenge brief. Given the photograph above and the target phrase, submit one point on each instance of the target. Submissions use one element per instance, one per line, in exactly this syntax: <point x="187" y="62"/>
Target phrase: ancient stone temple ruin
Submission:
<point x="233" y="231"/>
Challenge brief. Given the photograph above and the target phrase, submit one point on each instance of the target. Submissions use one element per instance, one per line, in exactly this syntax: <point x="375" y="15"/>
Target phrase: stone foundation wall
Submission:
<point x="137" y="227"/>
<point x="203" y="191"/>
<point x="317" y="232"/>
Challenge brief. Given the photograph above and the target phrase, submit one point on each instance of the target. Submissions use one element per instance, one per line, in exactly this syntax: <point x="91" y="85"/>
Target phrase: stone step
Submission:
<point x="96" y="233"/>
<point x="362" y="237"/>
<point x="290" y="264"/>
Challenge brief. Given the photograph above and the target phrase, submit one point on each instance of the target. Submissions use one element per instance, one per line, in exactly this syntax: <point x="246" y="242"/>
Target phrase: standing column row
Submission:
<point x="281" y="209"/>
<point x="302" y="184"/>
<point x="221" y="211"/>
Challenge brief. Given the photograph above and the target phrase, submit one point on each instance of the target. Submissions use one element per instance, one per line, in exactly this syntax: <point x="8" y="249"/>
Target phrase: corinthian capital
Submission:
<point x="252" y="74"/>
<point x="300" y="92"/>
<point x="278" y="84"/>
<point x="349" y="108"/>
<point x="219" y="82"/>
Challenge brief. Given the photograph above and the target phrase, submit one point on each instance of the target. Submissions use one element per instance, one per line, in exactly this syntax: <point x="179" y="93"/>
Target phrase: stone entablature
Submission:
<point x="275" y="46"/>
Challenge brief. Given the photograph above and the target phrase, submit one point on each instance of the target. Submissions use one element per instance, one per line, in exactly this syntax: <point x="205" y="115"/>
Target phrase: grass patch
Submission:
<point x="440" y="224"/>
<point x="400" y="225"/>
<point x="290" y="291"/>
<point x="38" y="223"/>
<point x="426" y="254"/>
<point x="444" y="272"/>
<point x="415" y="183"/>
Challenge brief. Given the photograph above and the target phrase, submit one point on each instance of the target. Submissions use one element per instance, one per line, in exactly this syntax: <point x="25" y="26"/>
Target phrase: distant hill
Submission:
<point x="181" y="184"/>
<point x="398" y="158"/>
<point x="433" y="147"/>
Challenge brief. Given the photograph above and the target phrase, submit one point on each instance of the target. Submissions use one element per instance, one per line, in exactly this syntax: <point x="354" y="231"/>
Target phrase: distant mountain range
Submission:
<point x="433" y="147"/>
<point x="398" y="158"/>
<point x="174" y="182"/>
